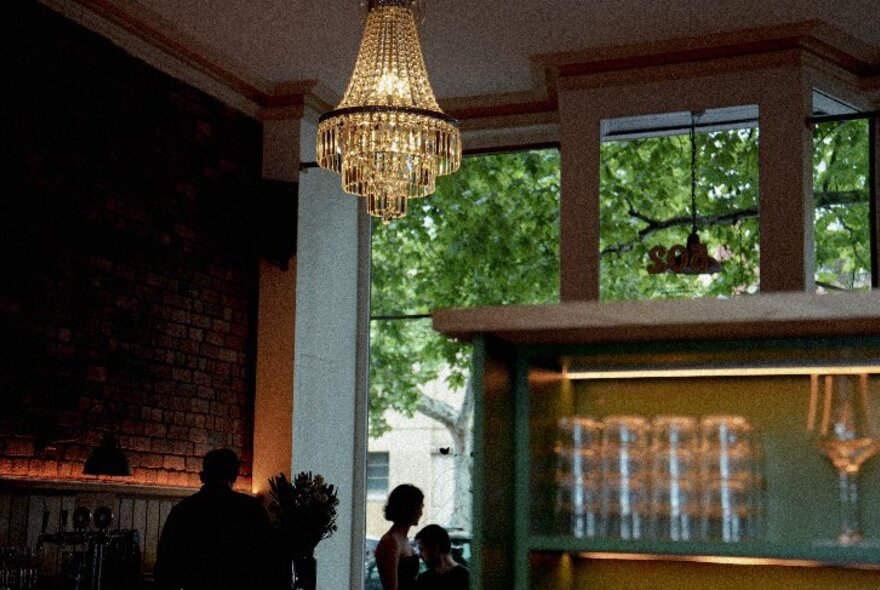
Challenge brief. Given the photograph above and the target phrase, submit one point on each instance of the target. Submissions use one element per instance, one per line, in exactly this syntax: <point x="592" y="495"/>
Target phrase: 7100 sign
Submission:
<point x="692" y="259"/>
<point x="678" y="259"/>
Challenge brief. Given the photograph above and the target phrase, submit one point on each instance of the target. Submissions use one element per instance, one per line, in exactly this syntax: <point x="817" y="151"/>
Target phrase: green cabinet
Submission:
<point x="531" y="371"/>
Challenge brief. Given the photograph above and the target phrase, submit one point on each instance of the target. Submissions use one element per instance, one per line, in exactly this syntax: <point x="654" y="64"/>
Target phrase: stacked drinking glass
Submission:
<point x="578" y="475"/>
<point x="674" y="478"/>
<point x="624" y="477"/>
<point x="731" y="476"/>
<point x="674" y="464"/>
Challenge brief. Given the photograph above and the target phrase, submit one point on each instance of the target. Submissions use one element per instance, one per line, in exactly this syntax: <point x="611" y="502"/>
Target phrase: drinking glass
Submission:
<point x="624" y="496"/>
<point x="673" y="501"/>
<point x="730" y="475"/>
<point x="578" y="476"/>
<point x="843" y="420"/>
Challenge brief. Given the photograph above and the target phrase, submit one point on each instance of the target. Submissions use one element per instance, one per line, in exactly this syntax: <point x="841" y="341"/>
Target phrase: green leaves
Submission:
<point x="304" y="510"/>
<point x="488" y="236"/>
<point x="842" y="224"/>
<point x="645" y="200"/>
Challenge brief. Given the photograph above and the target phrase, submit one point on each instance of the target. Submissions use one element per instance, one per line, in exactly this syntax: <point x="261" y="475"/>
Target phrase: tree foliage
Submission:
<point x="645" y="200"/>
<point x="488" y="236"/>
<point x="840" y="183"/>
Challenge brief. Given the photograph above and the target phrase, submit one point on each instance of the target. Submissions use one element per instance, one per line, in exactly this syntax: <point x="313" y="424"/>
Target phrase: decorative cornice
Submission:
<point x="151" y="29"/>
<point x="814" y="36"/>
<point x="219" y="76"/>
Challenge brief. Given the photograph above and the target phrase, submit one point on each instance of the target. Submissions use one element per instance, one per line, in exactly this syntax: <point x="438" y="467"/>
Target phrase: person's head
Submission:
<point x="434" y="545"/>
<point x="405" y="505"/>
<point x="220" y="466"/>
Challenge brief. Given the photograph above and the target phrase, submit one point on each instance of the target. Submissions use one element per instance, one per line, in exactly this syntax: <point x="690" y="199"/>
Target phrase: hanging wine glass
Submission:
<point x="843" y="420"/>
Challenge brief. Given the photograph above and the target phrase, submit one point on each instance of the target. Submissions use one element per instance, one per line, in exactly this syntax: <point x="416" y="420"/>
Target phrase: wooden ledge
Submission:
<point x="789" y="315"/>
<point x="11" y="485"/>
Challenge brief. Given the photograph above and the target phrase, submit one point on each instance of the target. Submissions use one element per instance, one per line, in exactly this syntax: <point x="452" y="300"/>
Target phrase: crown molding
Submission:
<point x="816" y="37"/>
<point x="148" y="37"/>
<point x="813" y="42"/>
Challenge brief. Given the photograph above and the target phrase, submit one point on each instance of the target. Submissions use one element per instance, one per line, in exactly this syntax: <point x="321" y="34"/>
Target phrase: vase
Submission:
<point x="305" y="573"/>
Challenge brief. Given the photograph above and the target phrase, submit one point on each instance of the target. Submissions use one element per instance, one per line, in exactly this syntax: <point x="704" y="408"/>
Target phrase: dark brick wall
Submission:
<point x="127" y="269"/>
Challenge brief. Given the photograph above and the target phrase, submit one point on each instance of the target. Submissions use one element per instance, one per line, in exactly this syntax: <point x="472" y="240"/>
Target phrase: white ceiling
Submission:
<point x="472" y="47"/>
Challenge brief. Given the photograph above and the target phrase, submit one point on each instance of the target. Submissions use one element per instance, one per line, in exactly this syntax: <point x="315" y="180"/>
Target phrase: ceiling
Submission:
<point x="471" y="47"/>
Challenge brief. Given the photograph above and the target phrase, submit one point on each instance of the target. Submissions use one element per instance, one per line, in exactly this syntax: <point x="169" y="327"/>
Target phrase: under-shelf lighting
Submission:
<point x="577" y="374"/>
<point x="722" y="560"/>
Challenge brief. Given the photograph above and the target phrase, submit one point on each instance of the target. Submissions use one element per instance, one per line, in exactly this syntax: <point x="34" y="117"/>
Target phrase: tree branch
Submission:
<point x="467" y="405"/>
<point x="831" y="198"/>
<point x="439" y="411"/>
<point x="830" y="287"/>
<point x="821" y="200"/>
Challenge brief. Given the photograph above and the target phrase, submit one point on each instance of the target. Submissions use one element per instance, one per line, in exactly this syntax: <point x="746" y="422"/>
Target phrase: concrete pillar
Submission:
<point x="332" y="303"/>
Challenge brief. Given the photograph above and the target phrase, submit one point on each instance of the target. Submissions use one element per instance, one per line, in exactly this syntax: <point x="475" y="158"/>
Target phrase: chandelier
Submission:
<point x="388" y="138"/>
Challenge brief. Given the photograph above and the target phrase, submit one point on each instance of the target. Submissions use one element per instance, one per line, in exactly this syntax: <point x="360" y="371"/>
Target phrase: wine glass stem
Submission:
<point x="850" y="528"/>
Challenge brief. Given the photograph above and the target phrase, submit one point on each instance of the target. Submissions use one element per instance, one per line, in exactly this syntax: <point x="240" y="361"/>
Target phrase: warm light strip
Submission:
<point x="720" y="372"/>
<point x="721" y="560"/>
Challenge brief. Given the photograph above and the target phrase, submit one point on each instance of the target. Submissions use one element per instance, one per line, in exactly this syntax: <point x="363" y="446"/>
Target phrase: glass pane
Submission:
<point x="421" y="405"/>
<point x="488" y="236"/>
<point x="841" y="199"/>
<point x="645" y="201"/>
<point x="377" y="474"/>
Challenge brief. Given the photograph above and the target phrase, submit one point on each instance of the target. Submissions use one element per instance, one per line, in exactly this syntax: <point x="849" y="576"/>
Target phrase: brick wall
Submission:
<point x="127" y="266"/>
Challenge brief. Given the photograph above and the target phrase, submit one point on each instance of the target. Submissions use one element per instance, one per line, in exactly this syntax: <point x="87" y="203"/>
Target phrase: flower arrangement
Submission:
<point x="304" y="511"/>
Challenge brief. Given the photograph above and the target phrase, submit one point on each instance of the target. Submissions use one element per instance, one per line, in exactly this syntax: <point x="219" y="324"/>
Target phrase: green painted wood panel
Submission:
<point x="801" y="484"/>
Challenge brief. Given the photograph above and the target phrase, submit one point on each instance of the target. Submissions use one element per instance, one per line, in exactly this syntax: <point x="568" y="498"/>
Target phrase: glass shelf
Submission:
<point x="751" y="553"/>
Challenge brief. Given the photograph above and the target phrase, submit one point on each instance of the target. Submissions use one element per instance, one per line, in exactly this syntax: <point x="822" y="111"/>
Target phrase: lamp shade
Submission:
<point x="388" y="138"/>
<point x="107" y="459"/>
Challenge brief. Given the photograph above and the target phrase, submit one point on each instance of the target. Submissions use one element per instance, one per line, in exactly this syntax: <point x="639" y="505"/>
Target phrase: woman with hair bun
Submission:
<point x="396" y="560"/>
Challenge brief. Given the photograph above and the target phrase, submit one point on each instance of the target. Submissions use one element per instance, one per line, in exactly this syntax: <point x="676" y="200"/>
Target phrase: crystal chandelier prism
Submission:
<point x="388" y="138"/>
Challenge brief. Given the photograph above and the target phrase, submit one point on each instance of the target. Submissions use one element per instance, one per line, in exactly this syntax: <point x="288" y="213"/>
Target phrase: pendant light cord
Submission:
<point x="693" y="172"/>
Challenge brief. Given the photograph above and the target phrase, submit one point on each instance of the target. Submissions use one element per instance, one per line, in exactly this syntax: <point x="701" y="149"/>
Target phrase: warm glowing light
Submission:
<point x="576" y="374"/>
<point x="392" y="86"/>
<point x="388" y="138"/>
<point x="717" y="559"/>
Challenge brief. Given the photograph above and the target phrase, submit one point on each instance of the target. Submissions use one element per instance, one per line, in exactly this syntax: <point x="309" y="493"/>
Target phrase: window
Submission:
<point x="488" y="236"/>
<point x="841" y="199"/>
<point x="645" y="201"/>
<point x="377" y="475"/>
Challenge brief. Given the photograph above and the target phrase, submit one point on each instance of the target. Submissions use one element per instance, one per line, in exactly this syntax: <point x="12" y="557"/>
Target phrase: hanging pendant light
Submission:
<point x="693" y="257"/>
<point x="107" y="459"/>
<point x="699" y="261"/>
<point x="388" y="138"/>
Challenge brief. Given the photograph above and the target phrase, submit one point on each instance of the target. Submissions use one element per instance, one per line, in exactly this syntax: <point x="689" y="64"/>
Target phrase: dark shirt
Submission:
<point x="407" y="570"/>
<point x="215" y="539"/>
<point x="455" y="579"/>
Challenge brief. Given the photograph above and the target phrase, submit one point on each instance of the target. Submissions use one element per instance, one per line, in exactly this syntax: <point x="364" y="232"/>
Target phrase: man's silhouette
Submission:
<point x="217" y="538"/>
<point x="443" y="573"/>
